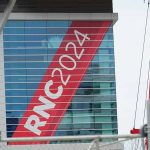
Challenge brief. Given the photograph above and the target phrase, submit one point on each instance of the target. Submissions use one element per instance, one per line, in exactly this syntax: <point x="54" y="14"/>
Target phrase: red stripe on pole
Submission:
<point x="86" y="40"/>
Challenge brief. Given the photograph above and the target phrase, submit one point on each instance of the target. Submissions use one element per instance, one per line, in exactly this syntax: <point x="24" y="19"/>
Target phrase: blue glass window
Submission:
<point x="29" y="47"/>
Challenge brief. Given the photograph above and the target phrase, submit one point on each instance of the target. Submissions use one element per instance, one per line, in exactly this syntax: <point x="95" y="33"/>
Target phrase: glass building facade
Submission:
<point x="29" y="47"/>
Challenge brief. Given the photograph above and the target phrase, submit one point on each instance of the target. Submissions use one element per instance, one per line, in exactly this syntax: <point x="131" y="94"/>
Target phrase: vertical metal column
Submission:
<point x="148" y="112"/>
<point x="6" y="13"/>
<point x="143" y="143"/>
<point x="148" y="122"/>
<point x="148" y="106"/>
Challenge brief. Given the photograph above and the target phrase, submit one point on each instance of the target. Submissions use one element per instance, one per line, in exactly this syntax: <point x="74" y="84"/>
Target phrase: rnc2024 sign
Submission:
<point x="62" y="78"/>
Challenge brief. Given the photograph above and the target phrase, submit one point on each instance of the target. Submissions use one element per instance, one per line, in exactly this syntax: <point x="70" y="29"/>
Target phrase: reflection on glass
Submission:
<point x="29" y="47"/>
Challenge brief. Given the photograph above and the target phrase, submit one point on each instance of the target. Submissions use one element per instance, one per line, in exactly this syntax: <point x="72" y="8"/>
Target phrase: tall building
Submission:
<point x="59" y="69"/>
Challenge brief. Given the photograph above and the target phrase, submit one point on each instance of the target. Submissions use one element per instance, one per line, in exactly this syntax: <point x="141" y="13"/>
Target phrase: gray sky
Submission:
<point x="129" y="35"/>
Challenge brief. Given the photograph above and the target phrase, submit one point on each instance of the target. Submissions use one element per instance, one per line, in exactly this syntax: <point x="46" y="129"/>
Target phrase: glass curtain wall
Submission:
<point x="29" y="47"/>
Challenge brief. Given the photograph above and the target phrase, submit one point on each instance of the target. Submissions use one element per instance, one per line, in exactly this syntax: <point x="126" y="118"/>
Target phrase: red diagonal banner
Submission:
<point x="61" y="80"/>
